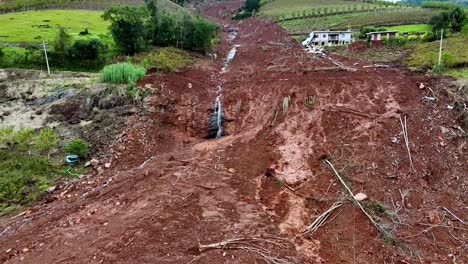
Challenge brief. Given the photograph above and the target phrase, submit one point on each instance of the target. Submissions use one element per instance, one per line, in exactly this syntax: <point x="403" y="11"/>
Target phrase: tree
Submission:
<point x="127" y="26"/>
<point x="457" y="19"/>
<point x="46" y="140"/>
<point x="252" y="5"/>
<point x="78" y="147"/>
<point x="62" y="43"/>
<point x="87" y="49"/>
<point x="449" y="20"/>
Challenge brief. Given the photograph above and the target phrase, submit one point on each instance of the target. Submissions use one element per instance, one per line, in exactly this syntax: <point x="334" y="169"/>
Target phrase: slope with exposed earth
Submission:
<point x="170" y="189"/>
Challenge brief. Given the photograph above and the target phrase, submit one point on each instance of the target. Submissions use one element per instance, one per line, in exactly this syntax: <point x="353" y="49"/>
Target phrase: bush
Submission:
<point x="24" y="138"/>
<point x="23" y="179"/>
<point x="46" y="140"/>
<point x="241" y="15"/>
<point x="87" y="49"/>
<point x="122" y="73"/>
<point x="7" y="137"/>
<point x="78" y="147"/>
<point x="397" y="41"/>
<point x="413" y="38"/>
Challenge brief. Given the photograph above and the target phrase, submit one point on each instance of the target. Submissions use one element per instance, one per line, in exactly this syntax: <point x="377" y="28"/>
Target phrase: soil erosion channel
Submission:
<point x="201" y="166"/>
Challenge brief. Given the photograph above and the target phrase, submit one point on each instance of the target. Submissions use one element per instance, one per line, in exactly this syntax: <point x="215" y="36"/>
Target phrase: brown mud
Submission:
<point x="170" y="189"/>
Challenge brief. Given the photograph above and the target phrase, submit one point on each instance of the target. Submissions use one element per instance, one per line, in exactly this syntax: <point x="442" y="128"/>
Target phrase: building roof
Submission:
<point x="379" y="32"/>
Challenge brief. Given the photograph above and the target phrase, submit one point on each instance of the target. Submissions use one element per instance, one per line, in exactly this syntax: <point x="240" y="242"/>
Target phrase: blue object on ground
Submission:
<point x="71" y="158"/>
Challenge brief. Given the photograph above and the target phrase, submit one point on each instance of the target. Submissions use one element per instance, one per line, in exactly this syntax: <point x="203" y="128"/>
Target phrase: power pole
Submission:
<point x="45" y="53"/>
<point x="440" y="47"/>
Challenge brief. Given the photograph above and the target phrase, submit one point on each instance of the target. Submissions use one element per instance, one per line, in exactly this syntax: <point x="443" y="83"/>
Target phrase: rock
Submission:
<point x="107" y="165"/>
<point x="94" y="162"/>
<point x="51" y="189"/>
<point x="231" y="170"/>
<point x="422" y="86"/>
<point x="25" y="250"/>
<point x="444" y="130"/>
<point x="189" y="85"/>
<point x="433" y="217"/>
<point x="87" y="164"/>
<point x="100" y="170"/>
<point x="360" y="197"/>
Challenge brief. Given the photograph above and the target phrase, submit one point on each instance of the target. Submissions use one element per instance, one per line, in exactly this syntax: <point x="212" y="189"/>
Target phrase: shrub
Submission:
<point x="87" y="49"/>
<point x="448" y="60"/>
<point x="122" y="73"/>
<point x="23" y="138"/>
<point x="23" y="179"/>
<point x="7" y="136"/>
<point x="46" y="140"/>
<point x="413" y="38"/>
<point x="78" y="147"/>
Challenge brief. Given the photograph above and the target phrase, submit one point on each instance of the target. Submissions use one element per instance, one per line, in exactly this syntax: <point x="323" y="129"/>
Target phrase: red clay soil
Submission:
<point x="169" y="189"/>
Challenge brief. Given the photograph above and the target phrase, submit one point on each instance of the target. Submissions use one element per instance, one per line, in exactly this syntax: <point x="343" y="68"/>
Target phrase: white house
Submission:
<point x="328" y="38"/>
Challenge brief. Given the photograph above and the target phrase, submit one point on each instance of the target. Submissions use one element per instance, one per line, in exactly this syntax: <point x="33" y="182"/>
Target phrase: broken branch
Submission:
<point x="377" y="225"/>
<point x="405" y="135"/>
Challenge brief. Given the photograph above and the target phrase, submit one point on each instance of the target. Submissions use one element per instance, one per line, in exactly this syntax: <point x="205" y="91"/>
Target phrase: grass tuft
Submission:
<point x="122" y="73"/>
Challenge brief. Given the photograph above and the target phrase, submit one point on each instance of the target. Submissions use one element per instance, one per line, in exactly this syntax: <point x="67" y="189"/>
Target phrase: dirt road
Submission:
<point x="170" y="189"/>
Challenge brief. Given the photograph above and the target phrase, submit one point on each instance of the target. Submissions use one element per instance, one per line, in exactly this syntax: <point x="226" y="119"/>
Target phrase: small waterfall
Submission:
<point x="217" y="116"/>
<point x="230" y="57"/>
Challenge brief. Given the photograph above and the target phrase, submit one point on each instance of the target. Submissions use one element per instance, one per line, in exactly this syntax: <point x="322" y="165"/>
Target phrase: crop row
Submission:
<point x="341" y="10"/>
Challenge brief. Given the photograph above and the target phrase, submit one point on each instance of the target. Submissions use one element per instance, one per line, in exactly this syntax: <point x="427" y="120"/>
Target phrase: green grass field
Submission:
<point x="38" y="26"/>
<point x="411" y="28"/>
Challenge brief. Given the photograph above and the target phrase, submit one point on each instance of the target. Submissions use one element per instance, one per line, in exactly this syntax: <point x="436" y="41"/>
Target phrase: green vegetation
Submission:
<point x="168" y="58"/>
<point x="37" y="26"/>
<point x="425" y="55"/>
<point x="250" y="7"/>
<point x="46" y="140"/>
<point x="77" y="147"/>
<point x="411" y="28"/>
<point x="359" y="20"/>
<point x="122" y="73"/>
<point x="24" y="178"/>
<point x="279" y="8"/>
<point x="452" y="20"/>
<point x="9" y="6"/>
<point x="126" y="27"/>
<point x="23" y="175"/>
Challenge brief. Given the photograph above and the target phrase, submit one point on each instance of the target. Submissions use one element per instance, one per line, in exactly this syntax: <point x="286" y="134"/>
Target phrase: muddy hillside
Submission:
<point x="251" y="158"/>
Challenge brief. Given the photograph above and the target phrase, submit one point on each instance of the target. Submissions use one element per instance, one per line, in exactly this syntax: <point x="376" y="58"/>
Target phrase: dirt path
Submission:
<point x="169" y="189"/>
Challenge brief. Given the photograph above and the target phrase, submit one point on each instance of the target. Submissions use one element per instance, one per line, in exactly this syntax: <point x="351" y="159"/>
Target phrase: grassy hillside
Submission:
<point x="358" y="20"/>
<point x="280" y="7"/>
<point x="454" y="50"/>
<point x="36" y="26"/>
<point x="301" y="16"/>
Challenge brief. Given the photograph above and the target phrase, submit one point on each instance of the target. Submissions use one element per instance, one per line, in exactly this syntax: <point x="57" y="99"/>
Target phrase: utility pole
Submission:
<point x="440" y="47"/>
<point x="45" y="53"/>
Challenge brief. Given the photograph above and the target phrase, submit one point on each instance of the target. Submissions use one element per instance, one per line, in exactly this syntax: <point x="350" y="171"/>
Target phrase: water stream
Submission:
<point x="217" y="116"/>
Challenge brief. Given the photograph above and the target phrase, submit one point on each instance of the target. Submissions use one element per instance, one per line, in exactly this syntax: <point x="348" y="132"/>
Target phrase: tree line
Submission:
<point x="134" y="28"/>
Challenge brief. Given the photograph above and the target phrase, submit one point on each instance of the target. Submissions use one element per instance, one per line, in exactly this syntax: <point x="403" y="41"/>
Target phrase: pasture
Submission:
<point x="38" y="26"/>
